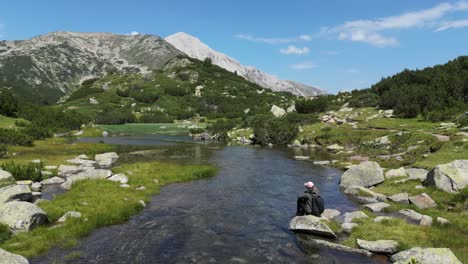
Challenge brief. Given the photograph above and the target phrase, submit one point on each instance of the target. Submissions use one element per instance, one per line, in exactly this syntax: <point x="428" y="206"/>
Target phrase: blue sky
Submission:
<point x="335" y="45"/>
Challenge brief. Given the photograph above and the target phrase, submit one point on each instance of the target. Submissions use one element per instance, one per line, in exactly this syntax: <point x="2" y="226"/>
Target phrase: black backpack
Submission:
<point x="317" y="207"/>
<point x="310" y="204"/>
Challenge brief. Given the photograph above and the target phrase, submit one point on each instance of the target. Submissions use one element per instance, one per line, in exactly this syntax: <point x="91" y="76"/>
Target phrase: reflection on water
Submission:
<point x="239" y="216"/>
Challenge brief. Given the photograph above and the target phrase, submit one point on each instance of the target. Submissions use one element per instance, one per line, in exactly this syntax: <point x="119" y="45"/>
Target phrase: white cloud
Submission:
<point x="134" y="33"/>
<point x="251" y="38"/>
<point x="452" y="24"/>
<point x="303" y="65"/>
<point x="370" y="31"/>
<point x="295" y="50"/>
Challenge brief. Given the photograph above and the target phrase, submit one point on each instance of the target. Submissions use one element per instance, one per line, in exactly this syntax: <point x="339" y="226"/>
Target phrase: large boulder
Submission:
<point x="277" y="111"/>
<point x="416" y="174"/>
<point x="106" y="160"/>
<point x="10" y="258"/>
<point x="379" y="246"/>
<point x="15" y="193"/>
<point x="426" y="256"/>
<point x="312" y="225"/>
<point x="400" y="172"/>
<point x="21" y="216"/>
<point x="90" y="174"/>
<point x="422" y="201"/>
<point x="5" y="176"/>
<point x="450" y="177"/>
<point x="366" y="174"/>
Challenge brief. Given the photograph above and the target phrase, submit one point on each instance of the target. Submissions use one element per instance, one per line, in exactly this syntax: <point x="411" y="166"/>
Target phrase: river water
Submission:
<point x="239" y="216"/>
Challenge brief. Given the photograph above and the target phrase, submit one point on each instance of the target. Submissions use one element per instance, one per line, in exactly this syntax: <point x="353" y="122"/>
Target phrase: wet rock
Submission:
<point x="21" y="216"/>
<point x="339" y="247"/>
<point x="416" y="174"/>
<point x="400" y="172"/>
<point x="426" y="220"/>
<point x="380" y="219"/>
<point x="67" y="215"/>
<point x="54" y="180"/>
<point x="348" y="227"/>
<point x="312" y="225"/>
<point x="36" y="187"/>
<point x="350" y="216"/>
<point x="10" y="258"/>
<point x="376" y="207"/>
<point x="379" y="246"/>
<point x="411" y="214"/>
<point x="450" y="177"/>
<point x="426" y="256"/>
<point x="422" y="201"/>
<point x="366" y="174"/>
<point x="90" y="174"/>
<point x="301" y="157"/>
<point x="331" y="213"/>
<point x="120" y="177"/>
<point x="5" y="176"/>
<point x="106" y="160"/>
<point x="400" y="198"/>
<point x="15" y="193"/>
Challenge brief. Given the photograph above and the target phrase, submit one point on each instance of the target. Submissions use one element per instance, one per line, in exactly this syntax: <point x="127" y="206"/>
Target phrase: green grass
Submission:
<point x="139" y="128"/>
<point x="101" y="203"/>
<point x="5" y="233"/>
<point x="7" y="122"/>
<point x="455" y="149"/>
<point x="407" y="124"/>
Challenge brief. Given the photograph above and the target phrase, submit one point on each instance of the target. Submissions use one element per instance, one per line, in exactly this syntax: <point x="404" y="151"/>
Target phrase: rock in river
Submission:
<point x="15" y="193"/>
<point x="366" y="174"/>
<point x="426" y="256"/>
<point x="10" y="258"/>
<point x="331" y="213"/>
<point x="450" y="177"/>
<point x="311" y="224"/>
<point x="379" y="246"/>
<point x="21" y="216"/>
<point x="53" y="180"/>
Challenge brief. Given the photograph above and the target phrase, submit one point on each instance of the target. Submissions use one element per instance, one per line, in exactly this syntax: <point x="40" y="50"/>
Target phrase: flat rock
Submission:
<point x="363" y="192"/>
<point x="21" y="216"/>
<point x="379" y="246"/>
<point x="301" y="157"/>
<point x="331" y="213"/>
<point x="53" y="180"/>
<point x="312" y="225"/>
<point x="450" y="177"/>
<point x="416" y="174"/>
<point x="411" y="214"/>
<point x="67" y="215"/>
<point x="402" y="198"/>
<point x="339" y="247"/>
<point x="124" y="186"/>
<point x="350" y="216"/>
<point x="120" y="177"/>
<point x="69" y="170"/>
<point x="322" y="162"/>
<point x="426" y="220"/>
<point x="335" y="147"/>
<point x="24" y="182"/>
<point x="90" y="174"/>
<point x="422" y="201"/>
<point x="400" y="172"/>
<point x="36" y="187"/>
<point x="10" y="258"/>
<point x="5" y="176"/>
<point x="366" y="174"/>
<point x="426" y="256"/>
<point x="376" y="207"/>
<point x="51" y="167"/>
<point x="348" y="227"/>
<point x="15" y="193"/>
<point x="82" y="162"/>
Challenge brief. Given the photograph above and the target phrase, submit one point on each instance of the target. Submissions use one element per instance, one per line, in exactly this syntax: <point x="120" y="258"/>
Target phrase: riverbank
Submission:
<point x="100" y="202"/>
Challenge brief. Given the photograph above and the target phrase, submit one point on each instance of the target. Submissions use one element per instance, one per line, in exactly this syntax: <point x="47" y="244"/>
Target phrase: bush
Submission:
<point x="123" y="92"/>
<point x="312" y="106"/>
<point x="3" y="151"/>
<point x="115" y="116"/>
<point x="145" y="96"/>
<point x="274" y="130"/>
<point x="301" y="119"/>
<point x="176" y="91"/>
<point x="156" y="117"/>
<point x="8" y="103"/>
<point x="15" y="137"/>
<point x="37" y="132"/>
<point x="5" y="233"/>
<point x="221" y="127"/>
<point x="21" y="172"/>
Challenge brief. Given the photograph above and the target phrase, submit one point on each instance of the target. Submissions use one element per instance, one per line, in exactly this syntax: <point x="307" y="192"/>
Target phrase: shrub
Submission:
<point x="156" y="117"/>
<point x="5" y="233"/>
<point x="221" y="127"/>
<point x="37" y="132"/>
<point x="145" y="96"/>
<point x="30" y="171"/>
<point x="3" y="150"/>
<point x="274" y="130"/>
<point x="8" y="103"/>
<point x="312" y="106"/>
<point x="123" y="92"/>
<point x="176" y="91"/>
<point x="15" y="137"/>
<point x="115" y="116"/>
<point x="301" y="119"/>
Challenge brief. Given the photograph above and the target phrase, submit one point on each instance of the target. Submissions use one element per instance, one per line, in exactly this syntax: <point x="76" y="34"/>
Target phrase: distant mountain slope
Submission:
<point x="193" y="47"/>
<point x="45" y="68"/>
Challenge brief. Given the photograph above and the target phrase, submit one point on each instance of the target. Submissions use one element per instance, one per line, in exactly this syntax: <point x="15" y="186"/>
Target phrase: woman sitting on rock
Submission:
<point x="310" y="203"/>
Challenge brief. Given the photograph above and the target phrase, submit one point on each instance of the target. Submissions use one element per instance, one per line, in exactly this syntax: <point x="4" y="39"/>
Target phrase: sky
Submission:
<point x="334" y="45"/>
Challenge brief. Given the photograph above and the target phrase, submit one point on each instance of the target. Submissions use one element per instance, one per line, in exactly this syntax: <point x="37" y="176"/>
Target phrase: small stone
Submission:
<point x="26" y="182"/>
<point x="36" y="187"/>
<point x="376" y="207"/>
<point x="349" y="217"/>
<point x="301" y="157"/>
<point x="380" y="219"/>
<point x="142" y="203"/>
<point x="120" y="177"/>
<point x="442" y="221"/>
<point x="400" y="198"/>
<point x="411" y="214"/>
<point x="426" y="220"/>
<point x="54" y="180"/>
<point x="124" y="186"/>
<point x="348" y="227"/>
<point x="418" y="187"/>
<point x="141" y="188"/>
<point x="322" y="162"/>
<point x="66" y="216"/>
<point x="379" y="246"/>
<point x="422" y="201"/>
<point x="331" y="213"/>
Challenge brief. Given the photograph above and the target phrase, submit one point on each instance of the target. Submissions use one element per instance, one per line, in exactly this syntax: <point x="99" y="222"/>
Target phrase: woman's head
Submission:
<point x="309" y="185"/>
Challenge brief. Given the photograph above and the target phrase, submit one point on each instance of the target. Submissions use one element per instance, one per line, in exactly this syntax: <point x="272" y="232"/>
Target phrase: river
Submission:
<point x="239" y="216"/>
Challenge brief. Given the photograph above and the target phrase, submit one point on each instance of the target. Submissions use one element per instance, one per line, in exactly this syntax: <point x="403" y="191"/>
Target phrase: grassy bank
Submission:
<point x="140" y="128"/>
<point x="101" y="203"/>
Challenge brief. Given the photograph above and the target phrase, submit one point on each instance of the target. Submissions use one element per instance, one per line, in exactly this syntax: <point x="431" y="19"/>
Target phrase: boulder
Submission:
<point x="379" y="246"/>
<point x="106" y="160"/>
<point x="82" y="162"/>
<point x="395" y="173"/>
<point x="312" y="225"/>
<point x="36" y="187"/>
<point x="15" y="193"/>
<point x="366" y="174"/>
<point x="67" y="215"/>
<point x="331" y="213"/>
<point x="426" y="256"/>
<point x="21" y="216"/>
<point x="376" y="207"/>
<point x="350" y="216"/>
<point x="335" y="147"/>
<point x="5" y="176"/>
<point x="277" y="111"/>
<point x="426" y="220"/>
<point x="339" y="247"/>
<point x="365" y="195"/>
<point x="411" y="214"/>
<point x="10" y="258"/>
<point x="91" y="174"/>
<point x="450" y="177"/>
<point x="348" y="227"/>
<point x="54" y="180"/>
<point x="416" y="174"/>
<point x="399" y="198"/>
<point x="69" y="170"/>
<point x="422" y="201"/>
<point x="122" y="178"/>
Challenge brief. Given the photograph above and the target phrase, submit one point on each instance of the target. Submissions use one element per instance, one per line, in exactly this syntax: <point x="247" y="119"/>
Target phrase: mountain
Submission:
<point x="45" y="68"/>
<point x="194" y="48"/>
